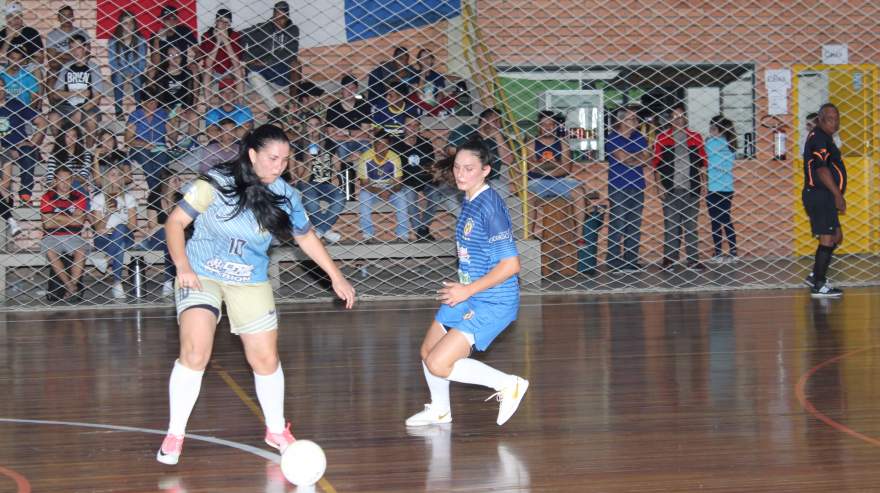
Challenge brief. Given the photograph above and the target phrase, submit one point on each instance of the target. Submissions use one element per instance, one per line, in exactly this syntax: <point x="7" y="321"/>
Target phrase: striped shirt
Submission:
<point x="233" y="249"/>
<point x="483" y="238"/>
<point x="80" y="166"/>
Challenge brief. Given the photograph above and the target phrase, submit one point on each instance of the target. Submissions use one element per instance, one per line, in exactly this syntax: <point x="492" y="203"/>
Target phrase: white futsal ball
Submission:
<point x="303" y="463"/>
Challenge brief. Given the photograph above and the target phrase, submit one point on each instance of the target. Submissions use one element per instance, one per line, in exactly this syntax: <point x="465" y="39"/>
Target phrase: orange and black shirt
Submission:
<point x="821" y="151"/>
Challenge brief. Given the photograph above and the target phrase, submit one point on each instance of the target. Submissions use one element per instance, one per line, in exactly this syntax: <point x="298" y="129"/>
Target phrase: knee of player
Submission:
<point x="437" y="367"/>
<point x="264" y="364"/>
<point x="194" y="359"/>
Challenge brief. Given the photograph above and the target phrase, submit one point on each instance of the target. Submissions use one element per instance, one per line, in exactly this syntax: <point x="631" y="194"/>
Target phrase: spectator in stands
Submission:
<point x="58" y="48"/>
<point x="417" y="155"/>
<point x="63" y="213"/>
<point x="24" y="38"/>
<point x="720" y="155"/>
<point x="147" y="137"/>
<point x="12" y="227"/>
<point x="392" y="111"/>
<point x="107" y="154"/>
<point x="128" y="60"/>
<point x="391" y="72"/>
<point x="270" y="50"/>
<point x="221" y="49"/>
<point x="429" y="91"/>
<point x="113" y="216"/>
<point x="626" y="150"/>
<point x="15" y="145"/>
<point x="308" y="104"/>
<point x="176" y="85"/>
<point x="222" y="147"/>
<point x="79" y="87"/>
<point x="316" y="156"/>
<point x="679" y="165"/>
<point x="70" y="151"/>
<point x="348" y="121"/>
<point x="231" y="108"/>
<point x="488" y="129"/>
<point x="380" y="175"/>
<point x="155" y="233"/>
<point x="21" y="83"/>
<point x="173" y="32"/>
<point x="552" y="174"/>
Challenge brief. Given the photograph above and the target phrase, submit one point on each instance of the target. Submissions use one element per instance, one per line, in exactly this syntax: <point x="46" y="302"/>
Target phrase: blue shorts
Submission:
<point x="548" y="188"/>
<point x="482" y="321"/>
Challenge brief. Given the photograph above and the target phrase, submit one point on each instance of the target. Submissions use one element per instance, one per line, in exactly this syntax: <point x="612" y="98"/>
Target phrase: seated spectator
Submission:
<point x="221" y="57"/>
<point x="308" y="103"/>
<point x="270" y="50"/>
<point x="392" y="111"/>
<point x="113" y="216"/>
<point x="173" y="32"/>
<point x="58" y="49"/>
<point x="12" y="227"/>
<point x="231" y="108"/>
<point x="128" y="60"/>
<point x="391" y="72"/>
<point x="69" y="151"/>
<point x="222" y="147"/>
<point x="107" y="154"/>
<point x="348" y="121"/>
<point x="146" y="137"/>
<point x="551" y="174"/>
<point x="79" y="87"/>
<point x="14" y="142"/>
<point x="63" y="213"/>
<point x="24" y="38"/>
<point x="176" y="85"/>
<point x="430" y="92"/>
<point x="155" y="236"/>
<point x="488" y="129"/>
<point x="380" y="176"/>
<point x="417" y="155"/>
<point x="21" y="84"/>
<point x="316" y="155"/>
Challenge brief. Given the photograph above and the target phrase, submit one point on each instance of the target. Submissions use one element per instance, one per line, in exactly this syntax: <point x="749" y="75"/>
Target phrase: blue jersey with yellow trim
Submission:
<point x="484" y="237"/>
<point x="233" y="249"/>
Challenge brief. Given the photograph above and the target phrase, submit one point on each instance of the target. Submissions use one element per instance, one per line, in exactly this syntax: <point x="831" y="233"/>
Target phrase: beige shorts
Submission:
<point x="250" y="307"/>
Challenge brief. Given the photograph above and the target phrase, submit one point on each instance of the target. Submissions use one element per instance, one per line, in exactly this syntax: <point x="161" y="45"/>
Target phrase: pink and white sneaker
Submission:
<point x="280" y="441"/>
<point x="169" y="452"/>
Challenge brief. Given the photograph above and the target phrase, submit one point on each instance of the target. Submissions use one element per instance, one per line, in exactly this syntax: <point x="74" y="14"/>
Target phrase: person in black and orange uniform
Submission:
<point x="679" y="167"/>
<point x="824" y="187"/>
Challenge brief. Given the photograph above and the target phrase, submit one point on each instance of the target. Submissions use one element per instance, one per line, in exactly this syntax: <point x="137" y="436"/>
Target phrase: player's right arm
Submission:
<point x="196" y="201"/>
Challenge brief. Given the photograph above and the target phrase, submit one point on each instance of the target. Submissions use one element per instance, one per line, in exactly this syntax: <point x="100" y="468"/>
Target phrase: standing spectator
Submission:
<point x="488" y="130"/>
<point x="14" y="142"/>
<point x="348" y="119"/>
<point x="176" y="85"/>
<point x="147" y="137"/>
<point x="417" y="155"/>
<point x="316" y="154"/>
<point x="58" y="48"/>
<point x="679" y="165"/>
<point x="12" y="227"/>
<point x="720" y="152"/>
<point x="429" y="91"/>
<point x="79" y="86"/>
<point x="379" y="173"/>
<point x="552" y="174"/>
<point x="63" y="213"/>
<point x="391" y="72"/>
<point x="627" y="152"/>
<point x="113" y="216"/>
<point x="222" y="56"/>
<point x="231" y="108"/>
<point x="271" y="50"/>
<point x="24" y="38"/>
<point x="128" y="59"/>
<point x="172" y="32"/>
<point x="392" y="111"/>
<point x="69" y="151"/>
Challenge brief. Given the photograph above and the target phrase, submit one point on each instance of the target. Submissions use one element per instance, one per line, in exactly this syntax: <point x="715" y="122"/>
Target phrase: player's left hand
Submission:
<point x="345" y="291"/>
<point x="453" y="293"/>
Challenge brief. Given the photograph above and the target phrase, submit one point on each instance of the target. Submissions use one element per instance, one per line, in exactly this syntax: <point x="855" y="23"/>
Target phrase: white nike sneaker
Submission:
<point x="430" y="416"/>
<point x="510" y="397"/>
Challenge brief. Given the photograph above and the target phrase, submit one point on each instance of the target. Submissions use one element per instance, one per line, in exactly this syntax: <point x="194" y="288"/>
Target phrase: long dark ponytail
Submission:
<point x="247" y="192"/>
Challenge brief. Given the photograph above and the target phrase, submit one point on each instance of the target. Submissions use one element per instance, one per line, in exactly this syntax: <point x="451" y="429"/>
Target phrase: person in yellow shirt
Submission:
<point x="380" y="175"/>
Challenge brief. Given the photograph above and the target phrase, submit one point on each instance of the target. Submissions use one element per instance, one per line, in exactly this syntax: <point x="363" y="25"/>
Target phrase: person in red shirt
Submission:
<point x="63" y="212"/>
<point x="221" y="50"/>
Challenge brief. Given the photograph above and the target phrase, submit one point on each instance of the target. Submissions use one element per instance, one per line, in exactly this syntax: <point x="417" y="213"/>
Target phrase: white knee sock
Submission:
<point x="270" y="393"/>
<point x="183" y="391"/>
<point x="467" y="370"/>
<point x="439" y="388"/>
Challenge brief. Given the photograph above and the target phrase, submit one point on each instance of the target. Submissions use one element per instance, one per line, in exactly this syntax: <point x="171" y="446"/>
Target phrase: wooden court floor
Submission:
<point x="752" y="391"/>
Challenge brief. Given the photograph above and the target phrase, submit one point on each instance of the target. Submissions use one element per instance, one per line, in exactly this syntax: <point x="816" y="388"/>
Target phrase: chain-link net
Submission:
<point x="638" y="145"/>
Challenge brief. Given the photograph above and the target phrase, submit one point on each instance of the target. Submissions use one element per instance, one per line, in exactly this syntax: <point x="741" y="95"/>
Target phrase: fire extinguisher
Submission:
<point x="780" y="136"/>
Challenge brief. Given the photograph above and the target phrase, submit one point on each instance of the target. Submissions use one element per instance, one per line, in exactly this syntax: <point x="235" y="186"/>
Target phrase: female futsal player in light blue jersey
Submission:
<point x="481" y="304"/>
<point x="237" y="208"/>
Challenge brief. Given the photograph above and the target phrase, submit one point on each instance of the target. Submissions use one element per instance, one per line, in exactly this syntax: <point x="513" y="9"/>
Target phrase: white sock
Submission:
<point x="270" y="393"/>
<point x="467" y="370"/>
<point x="439" y="388"/>
<point x="183" y="391"/>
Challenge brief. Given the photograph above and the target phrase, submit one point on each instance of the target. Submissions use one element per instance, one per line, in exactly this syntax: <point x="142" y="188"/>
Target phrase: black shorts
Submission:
<point x="822" y="211"/>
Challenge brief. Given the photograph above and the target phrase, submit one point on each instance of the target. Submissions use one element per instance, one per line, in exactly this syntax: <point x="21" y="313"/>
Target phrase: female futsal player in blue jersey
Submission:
<point x="237" y="207"/>
<point x="481" y="304"/>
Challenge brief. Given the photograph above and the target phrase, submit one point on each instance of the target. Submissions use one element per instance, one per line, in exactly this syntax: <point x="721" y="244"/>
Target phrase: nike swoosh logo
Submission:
<point x="516" y="390"/>
<point x="443" y="416"/>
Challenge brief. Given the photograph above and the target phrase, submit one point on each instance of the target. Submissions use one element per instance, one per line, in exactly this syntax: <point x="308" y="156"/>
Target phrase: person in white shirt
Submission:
<point x="113" y="216"/>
